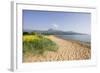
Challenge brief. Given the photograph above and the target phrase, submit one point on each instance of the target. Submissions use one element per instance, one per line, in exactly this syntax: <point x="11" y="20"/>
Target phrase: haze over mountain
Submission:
<point x="54" y="32"/>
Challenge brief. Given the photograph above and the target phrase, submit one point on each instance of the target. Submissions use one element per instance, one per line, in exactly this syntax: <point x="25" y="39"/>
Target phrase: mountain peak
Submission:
<point x="51" y="29"/>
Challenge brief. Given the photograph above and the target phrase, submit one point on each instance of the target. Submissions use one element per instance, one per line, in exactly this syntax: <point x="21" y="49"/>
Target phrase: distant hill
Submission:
<point x="53" y="32"/>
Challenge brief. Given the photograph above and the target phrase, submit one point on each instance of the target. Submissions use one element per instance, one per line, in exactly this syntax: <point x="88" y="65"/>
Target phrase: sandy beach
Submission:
<point x="68" y="50"/>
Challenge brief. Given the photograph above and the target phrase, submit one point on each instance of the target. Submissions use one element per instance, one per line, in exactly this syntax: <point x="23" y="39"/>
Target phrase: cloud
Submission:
<point x="55" y="25"/>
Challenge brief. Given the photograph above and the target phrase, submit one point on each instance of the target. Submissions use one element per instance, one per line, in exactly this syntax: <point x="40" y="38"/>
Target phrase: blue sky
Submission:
<point x="65" y="21"/>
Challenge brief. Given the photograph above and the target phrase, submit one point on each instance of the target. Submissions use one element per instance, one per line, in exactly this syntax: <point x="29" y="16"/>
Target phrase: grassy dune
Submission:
<point x="38" y="44"/>
<point x="67" y="50"/>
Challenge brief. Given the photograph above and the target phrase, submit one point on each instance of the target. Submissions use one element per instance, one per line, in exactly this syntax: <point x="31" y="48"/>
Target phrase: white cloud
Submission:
<point x="55" y="25"/>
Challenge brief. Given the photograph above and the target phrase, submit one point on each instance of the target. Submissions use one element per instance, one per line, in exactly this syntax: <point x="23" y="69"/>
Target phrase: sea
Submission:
<point x="82" y="38"/>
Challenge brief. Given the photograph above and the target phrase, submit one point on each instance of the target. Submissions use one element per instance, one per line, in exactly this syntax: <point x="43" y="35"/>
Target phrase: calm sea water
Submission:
<point x="83" y="38"/>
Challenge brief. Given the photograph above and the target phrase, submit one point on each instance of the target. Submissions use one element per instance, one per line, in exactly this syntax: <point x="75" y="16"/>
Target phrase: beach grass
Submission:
<point x="38" y="44"/>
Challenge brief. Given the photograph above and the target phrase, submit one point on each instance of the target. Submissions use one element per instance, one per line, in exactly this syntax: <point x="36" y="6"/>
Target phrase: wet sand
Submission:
<point x="68" y="50"/>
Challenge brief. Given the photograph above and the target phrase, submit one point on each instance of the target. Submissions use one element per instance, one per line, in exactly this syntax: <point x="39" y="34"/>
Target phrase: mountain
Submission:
<point x="53" y="32"/>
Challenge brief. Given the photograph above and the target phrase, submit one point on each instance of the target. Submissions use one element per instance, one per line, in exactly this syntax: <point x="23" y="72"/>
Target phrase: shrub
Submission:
<point x="25" y="33"/>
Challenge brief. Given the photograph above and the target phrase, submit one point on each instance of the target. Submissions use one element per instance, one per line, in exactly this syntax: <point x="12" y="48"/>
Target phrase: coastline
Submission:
<point x="68" y="50"/>
<point x="88" y="44"/>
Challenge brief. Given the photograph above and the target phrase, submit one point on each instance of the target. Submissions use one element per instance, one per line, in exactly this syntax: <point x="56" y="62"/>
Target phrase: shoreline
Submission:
<point x="88" y="44"/>
<point x="68" y="50"/>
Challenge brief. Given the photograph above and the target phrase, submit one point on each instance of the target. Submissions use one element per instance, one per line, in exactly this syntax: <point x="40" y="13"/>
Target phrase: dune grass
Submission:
<point x="38" y="44"/>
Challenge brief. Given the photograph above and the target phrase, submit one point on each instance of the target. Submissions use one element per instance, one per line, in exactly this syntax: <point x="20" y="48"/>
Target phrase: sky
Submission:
<point x="65" y="21"/>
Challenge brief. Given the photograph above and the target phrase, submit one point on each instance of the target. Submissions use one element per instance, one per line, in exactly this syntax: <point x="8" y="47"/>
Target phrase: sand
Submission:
<point x="68" y="50"/>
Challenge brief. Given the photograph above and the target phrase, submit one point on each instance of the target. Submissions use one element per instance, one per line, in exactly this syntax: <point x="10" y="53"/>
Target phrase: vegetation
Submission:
<point x="37" y="44"/>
